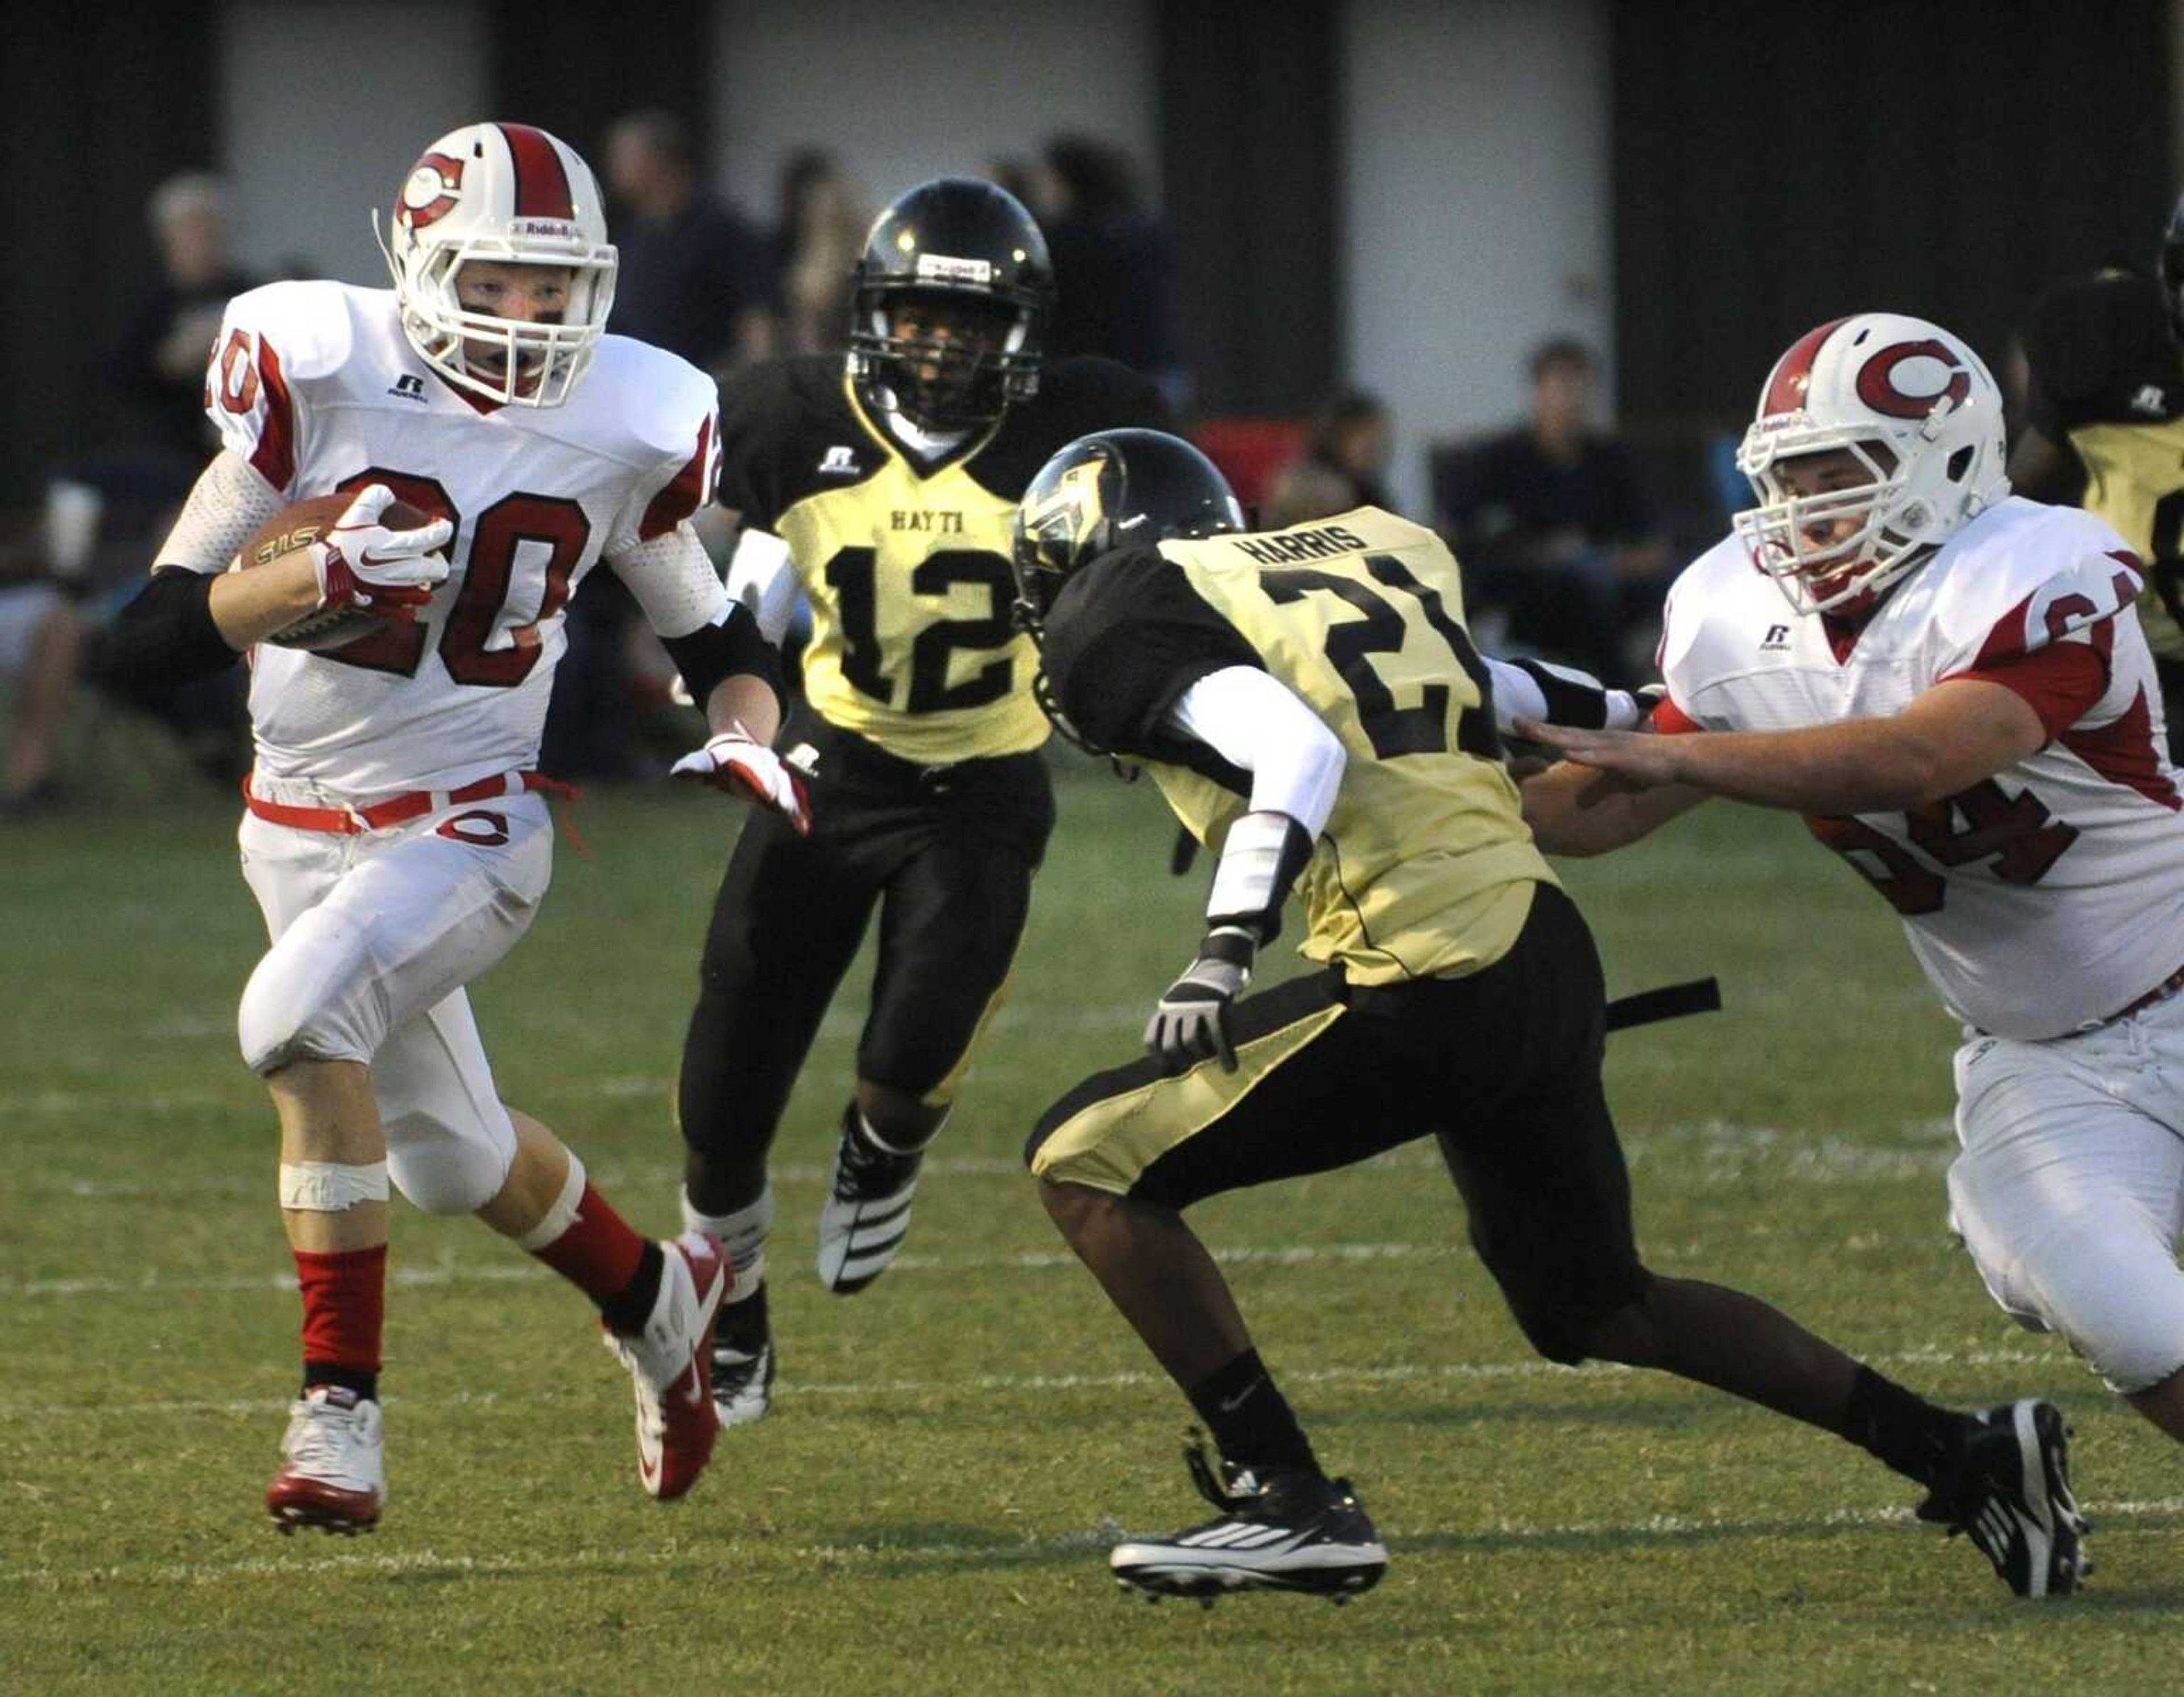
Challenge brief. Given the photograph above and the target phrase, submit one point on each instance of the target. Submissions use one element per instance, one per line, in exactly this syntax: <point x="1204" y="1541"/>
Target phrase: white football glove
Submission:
<point x="361" y="563"/>
<point x="736" y="763"/>
<point x="1191" y="1023"/>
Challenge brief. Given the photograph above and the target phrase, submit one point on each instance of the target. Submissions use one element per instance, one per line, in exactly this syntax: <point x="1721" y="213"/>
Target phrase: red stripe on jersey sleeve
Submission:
<point x="2060" y="682"/>
<point x="684" y="494"/>
<point x="1671" y="720"/>
<point x="275" y="456"/>
<point x="2124" y="753"/>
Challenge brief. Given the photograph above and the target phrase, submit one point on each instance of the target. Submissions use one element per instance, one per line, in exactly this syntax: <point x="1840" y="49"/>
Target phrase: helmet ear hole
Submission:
<point x="1960" y="463"/>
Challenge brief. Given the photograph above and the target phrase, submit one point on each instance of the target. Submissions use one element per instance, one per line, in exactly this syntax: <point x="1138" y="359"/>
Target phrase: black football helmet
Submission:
<point x="963" y="241"/>
<point x="1117" y="488"/>
<point x="2170" y="269"/>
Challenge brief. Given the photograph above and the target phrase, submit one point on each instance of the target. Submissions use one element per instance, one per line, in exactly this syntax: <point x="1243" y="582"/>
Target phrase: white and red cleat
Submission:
<point x="669" y="1360"/>
<point x="333" y="1470"/>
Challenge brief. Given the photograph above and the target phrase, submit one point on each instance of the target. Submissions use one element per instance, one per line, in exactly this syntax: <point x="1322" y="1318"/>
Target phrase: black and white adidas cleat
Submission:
<point x="744" y="1360"/>
<point x="866" y="1214"/>
<point x="2008" y="1490"/>
<point x="1288" y="1530"/>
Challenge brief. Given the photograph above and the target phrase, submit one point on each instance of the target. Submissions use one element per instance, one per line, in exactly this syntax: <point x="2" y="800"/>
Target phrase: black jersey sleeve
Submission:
<point x="1076" y="397"/>
<point x="1099" y="394"/>
<point x="1124" y="639"/>
<point x="778" y="418"/>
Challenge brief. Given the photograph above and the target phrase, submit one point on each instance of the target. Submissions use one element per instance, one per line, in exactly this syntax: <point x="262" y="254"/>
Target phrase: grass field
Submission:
<point x="928" y="1510"/>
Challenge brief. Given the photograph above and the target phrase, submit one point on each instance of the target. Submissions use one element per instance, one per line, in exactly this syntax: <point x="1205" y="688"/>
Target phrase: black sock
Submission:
<point x="743" y="1324"/>
<point x="1901" y="1430"/>
<point x="1249" y="1418"/>
<point x="628" y="1308"/>
<point x="362" y="1381"/>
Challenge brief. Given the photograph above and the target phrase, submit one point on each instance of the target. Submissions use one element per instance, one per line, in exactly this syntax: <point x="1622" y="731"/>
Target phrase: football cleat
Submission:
<point x="670" y="1362"/>
<point x="743" y="1361"/>
<point x="1288" y="1530"/>
<point x="2008" y="1490"/>
<point x="865" y="1215"/>
<point x="333" y="1464"/>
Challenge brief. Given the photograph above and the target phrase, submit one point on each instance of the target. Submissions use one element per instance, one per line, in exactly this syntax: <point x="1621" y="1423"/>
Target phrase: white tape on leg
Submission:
<point x="327" y="1187"/>
<point x="560" y="1214"/>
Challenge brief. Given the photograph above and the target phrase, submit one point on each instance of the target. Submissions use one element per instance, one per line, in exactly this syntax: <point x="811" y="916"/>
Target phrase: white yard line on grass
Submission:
<point x="1086" y="1543"/>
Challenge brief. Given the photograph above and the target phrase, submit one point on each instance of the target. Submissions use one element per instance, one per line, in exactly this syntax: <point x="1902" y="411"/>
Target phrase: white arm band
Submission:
<point x="672" y="579"/>
<point x="761" y="577"/>
<point x="1252" y="721"/>
<point x="1559" y="695"/>
<point x="227" y="503"/>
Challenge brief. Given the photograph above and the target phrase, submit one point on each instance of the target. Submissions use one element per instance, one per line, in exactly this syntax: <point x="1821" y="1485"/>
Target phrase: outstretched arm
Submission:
<point x="1956" y="734"/>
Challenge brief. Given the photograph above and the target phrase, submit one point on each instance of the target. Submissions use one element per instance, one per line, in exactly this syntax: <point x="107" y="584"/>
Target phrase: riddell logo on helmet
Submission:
<point x="1910" y="379"/>
<point x="431" y="194"/>
<point x="943" y="268"/>
<point x="556" y="229"/>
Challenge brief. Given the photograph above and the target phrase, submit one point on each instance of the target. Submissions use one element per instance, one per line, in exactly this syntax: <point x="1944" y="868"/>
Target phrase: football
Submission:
<point x="298" y="525"/>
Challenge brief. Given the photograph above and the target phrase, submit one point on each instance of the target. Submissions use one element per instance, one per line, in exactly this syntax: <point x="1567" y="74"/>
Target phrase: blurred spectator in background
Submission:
<point x="1554" y="528"/>
<point x="1029" y="181"/>
<point x="695" y="278"/>
<point x="40" y="644"/>
<point x="824" y="218"/>
<point x="1114" y="263"/>
<point x="160" y="365"/>
<point x="1344" y="463"/>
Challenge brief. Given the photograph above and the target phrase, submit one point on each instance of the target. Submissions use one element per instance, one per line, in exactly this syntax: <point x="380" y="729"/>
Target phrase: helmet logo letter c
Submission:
<point x="1908" y="380"/>
<point x="431" y="191"/>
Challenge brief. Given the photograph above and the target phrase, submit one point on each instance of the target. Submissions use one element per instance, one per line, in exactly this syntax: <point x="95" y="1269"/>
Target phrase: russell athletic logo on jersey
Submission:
<point x="409" y="387"/>
<point x="1777" y="640"/>
<point x="839" y="462"/>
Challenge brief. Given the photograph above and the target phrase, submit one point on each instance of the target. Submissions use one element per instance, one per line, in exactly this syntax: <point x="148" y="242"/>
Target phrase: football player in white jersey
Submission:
<point x="396" y="837"/>
<point x="1957" y="696"/>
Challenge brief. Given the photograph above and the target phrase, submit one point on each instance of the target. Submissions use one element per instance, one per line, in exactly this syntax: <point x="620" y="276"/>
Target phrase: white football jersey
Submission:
<point x="2046" y="897"/>
<point x="315" y="384"/>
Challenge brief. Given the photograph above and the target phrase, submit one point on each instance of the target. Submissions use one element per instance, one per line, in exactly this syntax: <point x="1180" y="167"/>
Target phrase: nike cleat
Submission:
<point x="2008" y="1490"/>
<point x="333" y="1465"/>
<point x="1288" y="1530"/>
<point x="669" y="1363"/>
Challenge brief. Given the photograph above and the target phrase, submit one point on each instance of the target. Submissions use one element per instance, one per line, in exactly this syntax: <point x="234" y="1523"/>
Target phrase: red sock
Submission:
<point x="344" y="1305"/>
<point x="599" y="1254"/>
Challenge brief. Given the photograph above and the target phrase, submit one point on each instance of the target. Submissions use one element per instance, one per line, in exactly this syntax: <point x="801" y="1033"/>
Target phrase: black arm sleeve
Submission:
<point x="1125" y="637"/>
<point x="731" y="648"/>
<point x="165" y="638"/>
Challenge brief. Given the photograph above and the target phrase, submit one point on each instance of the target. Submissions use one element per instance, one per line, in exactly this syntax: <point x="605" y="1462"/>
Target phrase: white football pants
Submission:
<point x="2069" y="1189"/>
<point x="374" y="936"/>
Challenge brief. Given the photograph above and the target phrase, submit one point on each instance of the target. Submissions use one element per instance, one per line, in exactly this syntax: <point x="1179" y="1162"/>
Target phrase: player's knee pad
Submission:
<point x="2107" y="1280"/>
<point x="310" y="998"/>
<point x="446" y="1169"/>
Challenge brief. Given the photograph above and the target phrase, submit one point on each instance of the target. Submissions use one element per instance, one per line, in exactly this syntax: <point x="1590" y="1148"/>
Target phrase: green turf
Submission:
<point x="927" y="1509"/>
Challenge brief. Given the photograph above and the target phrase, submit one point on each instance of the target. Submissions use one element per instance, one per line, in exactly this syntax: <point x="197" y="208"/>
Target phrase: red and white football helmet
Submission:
<point x="513" y="194"/>
<point x="1916" y="408"/>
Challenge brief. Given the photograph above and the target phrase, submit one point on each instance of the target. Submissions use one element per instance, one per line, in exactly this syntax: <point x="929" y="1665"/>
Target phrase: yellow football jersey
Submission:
<point x="1425" y="865"/>
<point x="906" y="564"/>
<point x="2135" y="480"/>
<point x="2105" y="379"/>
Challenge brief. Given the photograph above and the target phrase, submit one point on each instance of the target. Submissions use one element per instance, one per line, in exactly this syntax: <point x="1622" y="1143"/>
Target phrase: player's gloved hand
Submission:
<point x="361" y="563"/>
<point x="736" y="763"/>
<point x="1191" y="1023"/>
